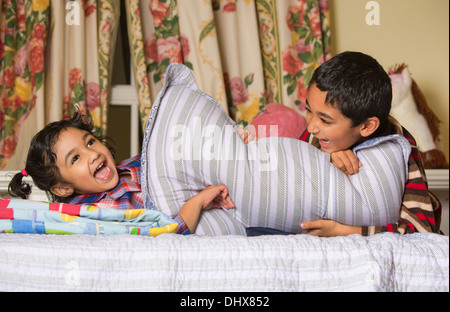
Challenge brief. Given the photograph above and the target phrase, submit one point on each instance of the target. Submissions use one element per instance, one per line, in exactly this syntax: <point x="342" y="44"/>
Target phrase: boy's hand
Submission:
<point x="346" y="161"/>
<point x="329" y="228"/>
<point x="215" y="196"/>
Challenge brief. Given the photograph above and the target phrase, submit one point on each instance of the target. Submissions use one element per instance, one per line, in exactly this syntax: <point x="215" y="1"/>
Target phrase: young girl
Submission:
<point x="68" y="161"/>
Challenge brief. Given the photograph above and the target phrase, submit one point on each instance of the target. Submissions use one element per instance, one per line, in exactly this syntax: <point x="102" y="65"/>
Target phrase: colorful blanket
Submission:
<point x="26" y="216"/>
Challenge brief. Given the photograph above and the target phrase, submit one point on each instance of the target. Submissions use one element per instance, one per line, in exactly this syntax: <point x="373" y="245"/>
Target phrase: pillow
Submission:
<point x="190" y="143"/>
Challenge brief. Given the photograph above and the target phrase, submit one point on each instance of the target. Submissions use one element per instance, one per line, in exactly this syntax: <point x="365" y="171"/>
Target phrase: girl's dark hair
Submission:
<point x="357" y="86"/>
<point x="41" y="160"/>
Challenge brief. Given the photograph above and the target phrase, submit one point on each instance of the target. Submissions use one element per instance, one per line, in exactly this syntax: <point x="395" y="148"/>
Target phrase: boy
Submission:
<point x="348" y="103"/>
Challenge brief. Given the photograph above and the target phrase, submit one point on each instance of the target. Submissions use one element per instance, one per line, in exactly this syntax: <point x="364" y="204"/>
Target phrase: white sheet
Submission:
<point x="385" y="262"/>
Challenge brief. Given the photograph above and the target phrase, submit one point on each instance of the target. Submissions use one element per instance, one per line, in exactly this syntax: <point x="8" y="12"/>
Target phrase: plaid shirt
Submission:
<point x="421" y="210"/>
<point x="127" y="194"/>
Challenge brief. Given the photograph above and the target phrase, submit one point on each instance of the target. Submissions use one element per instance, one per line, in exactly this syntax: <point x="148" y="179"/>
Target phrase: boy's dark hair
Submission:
<point x="357" y="86"/>
<point x="41" y="159"/>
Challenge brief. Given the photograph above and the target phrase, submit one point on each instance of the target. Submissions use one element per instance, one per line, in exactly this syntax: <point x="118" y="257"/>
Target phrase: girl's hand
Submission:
<point x="215" y="197"/>
<point x="346" y="161"/>
<point x="329" y="228"/>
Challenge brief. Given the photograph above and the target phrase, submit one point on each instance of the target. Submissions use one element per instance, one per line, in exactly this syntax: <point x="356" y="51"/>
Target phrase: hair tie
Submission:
<point x="24" y="172"/>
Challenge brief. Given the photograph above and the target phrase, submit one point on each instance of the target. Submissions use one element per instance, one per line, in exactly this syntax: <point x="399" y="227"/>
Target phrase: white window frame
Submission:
<point x="125" y="95"/>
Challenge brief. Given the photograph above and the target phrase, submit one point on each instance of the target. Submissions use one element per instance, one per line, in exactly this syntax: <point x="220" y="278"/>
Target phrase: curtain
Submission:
<point x="56" y="57"/>
<point x="80" y="58"/>
<point x="23" y="37"/>
<point x="244" y="53"/>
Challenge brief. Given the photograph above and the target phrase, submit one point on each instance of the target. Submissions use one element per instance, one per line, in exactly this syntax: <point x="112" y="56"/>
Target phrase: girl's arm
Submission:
<point x="215" y="196"/>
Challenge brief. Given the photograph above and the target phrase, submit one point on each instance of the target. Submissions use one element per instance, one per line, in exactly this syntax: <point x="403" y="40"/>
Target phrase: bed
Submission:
<point x="120" y="251"/>
<point x="174" y="263"/>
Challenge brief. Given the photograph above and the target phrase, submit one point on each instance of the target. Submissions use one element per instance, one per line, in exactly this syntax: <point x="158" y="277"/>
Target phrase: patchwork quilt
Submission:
<point x="34" y="217"/>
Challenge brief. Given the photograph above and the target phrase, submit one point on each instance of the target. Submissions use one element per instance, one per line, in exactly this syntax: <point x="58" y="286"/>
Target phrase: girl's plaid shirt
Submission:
<point x="127" y="194"/>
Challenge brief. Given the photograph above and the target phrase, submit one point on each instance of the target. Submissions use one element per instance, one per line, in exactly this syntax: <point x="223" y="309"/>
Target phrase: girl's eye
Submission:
<point x="91" y="142"/>
<point x="326" y="122"/>
<point x="75" y="158"/>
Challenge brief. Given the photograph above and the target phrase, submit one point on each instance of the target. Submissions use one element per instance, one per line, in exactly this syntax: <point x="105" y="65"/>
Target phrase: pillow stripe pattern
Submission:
<point x="190" y="143"/>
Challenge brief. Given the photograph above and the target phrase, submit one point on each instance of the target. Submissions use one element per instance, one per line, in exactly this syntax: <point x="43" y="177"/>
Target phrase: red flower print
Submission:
<point x="2" y="118"/>
<point x="238" y="91"/>
<point x="323" y="6"/>
<point x="169" y="48"/>
<point x="229" y="7"/>
<point x="302" y="94"/>
<point x="9" y="77"/>
<point x="159" y="11"/>
<point x="315" y="23"/>
<point x="39" y="31"/>
<point x="92" y="95"/>
<point x="151" y="50"/>
<point x="295" y="16"/>
<point x="74" y="77"/>
<point x="2" y="44"/>
<point x="291" y="62"/>
<point x="21" y="18"/>
<point x="36" y="56"/>
<point x="8" y="147"/>
<point x="106" y="27"/>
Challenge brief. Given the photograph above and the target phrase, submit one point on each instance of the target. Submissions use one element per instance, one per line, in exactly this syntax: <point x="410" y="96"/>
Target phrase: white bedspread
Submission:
<point x="384" y="262"/>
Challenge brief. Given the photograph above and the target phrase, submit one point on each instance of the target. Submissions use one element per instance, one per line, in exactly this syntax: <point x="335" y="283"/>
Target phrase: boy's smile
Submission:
<point x="85" y="163"/>
<point x="333" y="130"/>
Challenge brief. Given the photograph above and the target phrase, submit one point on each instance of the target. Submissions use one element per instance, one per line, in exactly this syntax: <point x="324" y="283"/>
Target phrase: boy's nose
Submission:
<point x="312" y="128"/>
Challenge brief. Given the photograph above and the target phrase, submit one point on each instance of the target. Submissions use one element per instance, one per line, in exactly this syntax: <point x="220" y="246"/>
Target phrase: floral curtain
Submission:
<point x="245" y="53"/>
<point x="56" y="57"/>
<point x="80" y="58"/>
<point x="23" y="37"/>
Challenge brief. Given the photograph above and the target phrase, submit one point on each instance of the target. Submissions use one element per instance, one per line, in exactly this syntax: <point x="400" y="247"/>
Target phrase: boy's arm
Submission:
<point x="420" y="212"/>
<point x="210" y="198"/>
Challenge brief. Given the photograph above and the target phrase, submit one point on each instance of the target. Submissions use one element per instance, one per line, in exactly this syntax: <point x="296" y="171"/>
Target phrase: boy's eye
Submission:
<point x="325" y="121"/>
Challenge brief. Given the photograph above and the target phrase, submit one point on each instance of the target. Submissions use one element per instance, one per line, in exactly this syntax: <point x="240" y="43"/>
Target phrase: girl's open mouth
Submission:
<point x="103" y="172"/>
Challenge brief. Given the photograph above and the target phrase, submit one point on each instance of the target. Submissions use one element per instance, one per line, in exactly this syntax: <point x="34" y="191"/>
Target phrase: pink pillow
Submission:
<point x="290" y="123"/>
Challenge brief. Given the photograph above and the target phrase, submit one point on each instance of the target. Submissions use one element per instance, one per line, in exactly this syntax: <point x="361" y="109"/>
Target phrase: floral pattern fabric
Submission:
<point x="245" y="53"/>
<point x="23" y="36"/>
<point x="55" y="58"/>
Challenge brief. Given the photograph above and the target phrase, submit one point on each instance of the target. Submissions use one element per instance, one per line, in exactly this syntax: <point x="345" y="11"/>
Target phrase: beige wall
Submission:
<point x="415" y="32"/>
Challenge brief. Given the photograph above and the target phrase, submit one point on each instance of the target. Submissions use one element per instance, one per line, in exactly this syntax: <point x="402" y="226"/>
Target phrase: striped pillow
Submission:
<point x="190" y="143"/>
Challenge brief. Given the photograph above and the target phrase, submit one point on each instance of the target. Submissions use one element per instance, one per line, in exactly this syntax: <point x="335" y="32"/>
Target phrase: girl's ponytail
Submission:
<point x="17" y="187"/>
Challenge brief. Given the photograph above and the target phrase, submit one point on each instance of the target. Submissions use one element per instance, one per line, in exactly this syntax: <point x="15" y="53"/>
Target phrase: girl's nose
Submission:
<point x="93" y="155"/>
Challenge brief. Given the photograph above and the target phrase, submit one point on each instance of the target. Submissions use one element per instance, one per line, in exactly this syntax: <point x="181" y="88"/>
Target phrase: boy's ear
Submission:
<point x="369" y="126"/>
<point x="61" y="190"/>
